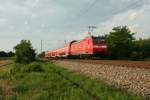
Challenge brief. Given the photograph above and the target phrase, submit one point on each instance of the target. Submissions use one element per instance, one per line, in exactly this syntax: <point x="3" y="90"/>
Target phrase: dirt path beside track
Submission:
<point x="5" y="62"/>
<point x="133" y="79"/>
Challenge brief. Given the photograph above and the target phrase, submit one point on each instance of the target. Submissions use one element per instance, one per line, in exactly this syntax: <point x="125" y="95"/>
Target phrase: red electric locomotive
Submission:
<point x="89" y="47"/>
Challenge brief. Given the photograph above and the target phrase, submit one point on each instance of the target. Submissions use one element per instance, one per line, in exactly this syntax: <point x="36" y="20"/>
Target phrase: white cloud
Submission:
<point x="134" y="15"/>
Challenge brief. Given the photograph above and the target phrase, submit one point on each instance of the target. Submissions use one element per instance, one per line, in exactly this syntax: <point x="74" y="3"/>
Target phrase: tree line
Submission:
<point x="7" y="54"/>
<point x="123" y="45"/>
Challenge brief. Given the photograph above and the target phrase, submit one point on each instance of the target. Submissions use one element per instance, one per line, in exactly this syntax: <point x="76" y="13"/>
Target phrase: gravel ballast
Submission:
<point x="136" y="80"/>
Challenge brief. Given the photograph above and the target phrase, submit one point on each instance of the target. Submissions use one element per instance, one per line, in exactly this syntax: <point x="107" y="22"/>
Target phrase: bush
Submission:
<point x="33" y="67"/>
<point x="136" y="56"/>
<point x="23" y="68"/>
<point x="24" y="52"/>
<point x="142" y="47"/>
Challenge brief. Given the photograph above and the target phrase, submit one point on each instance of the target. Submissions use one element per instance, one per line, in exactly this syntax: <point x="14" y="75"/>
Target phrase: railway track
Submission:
<point x="135" y="64"/>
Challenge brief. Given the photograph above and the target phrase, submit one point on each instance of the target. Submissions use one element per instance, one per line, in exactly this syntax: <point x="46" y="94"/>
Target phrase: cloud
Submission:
<point x="134" y="28"/>
<point x="139" y="26"/>
<point x="134" y="15"/>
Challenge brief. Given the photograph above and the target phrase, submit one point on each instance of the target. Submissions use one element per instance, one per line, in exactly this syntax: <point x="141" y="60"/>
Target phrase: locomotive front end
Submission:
<point x="99" y="46"/>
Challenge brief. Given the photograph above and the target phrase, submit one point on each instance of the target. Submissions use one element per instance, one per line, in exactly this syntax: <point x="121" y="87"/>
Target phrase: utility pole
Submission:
<point x="65" y="42"/>
<point x="41" y="45"/>
<point x="91" y="28"/>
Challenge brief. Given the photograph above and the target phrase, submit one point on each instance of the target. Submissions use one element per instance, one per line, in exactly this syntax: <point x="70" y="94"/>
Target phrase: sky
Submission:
<point x="55" y="21"/>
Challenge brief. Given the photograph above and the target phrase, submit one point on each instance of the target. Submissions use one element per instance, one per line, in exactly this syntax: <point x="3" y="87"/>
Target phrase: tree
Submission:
<point x="24" y="52"/>
<point x="11" y="54"/>
<point x="41" y="55"/>
<point x="120" y="42"/>
<point x="3" y="54"/>
<point x="6" y="54"/>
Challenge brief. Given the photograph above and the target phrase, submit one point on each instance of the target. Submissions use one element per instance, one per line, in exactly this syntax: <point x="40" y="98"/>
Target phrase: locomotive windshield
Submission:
<point x="98" y="40"/>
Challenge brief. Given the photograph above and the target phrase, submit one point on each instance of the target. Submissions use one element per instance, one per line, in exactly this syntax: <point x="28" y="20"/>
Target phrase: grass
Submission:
<point x="6" y="92"/>
<point x="47" y="81"/>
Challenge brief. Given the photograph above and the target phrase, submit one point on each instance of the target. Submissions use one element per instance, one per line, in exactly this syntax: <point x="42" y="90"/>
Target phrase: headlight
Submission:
<point x="104" y="46"/>
<point x="97" y="46"/>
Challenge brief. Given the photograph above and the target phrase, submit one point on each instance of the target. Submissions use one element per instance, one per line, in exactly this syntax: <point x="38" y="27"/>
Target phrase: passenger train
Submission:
<point x="91" y="46"/>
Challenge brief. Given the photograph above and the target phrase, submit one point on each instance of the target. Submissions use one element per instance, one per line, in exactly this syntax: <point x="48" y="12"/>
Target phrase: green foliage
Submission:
<point x="33" y="67"/>
<point x="142" y="49"/>
<point x="6" y="54"/>
<point x="41" y="55"/>
<point x="120" y="42"/>
<point x="27" y="68"/>
<point x="136" y="55"/>
<point x="24" y="52"/>
<point x="122" y="45"/>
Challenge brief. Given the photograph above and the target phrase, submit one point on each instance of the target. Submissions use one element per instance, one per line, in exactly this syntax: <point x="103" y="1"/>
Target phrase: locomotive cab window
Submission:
<point x="99" y="39"/>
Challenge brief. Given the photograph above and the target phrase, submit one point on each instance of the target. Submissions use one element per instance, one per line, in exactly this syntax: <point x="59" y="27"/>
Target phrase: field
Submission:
<point x="48" y="81"/>
<point x="4" y="62"/>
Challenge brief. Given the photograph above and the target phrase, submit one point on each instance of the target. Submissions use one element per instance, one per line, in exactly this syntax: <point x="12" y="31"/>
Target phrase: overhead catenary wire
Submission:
<point x="81" y="12"/>
<point x="93" y="3"/>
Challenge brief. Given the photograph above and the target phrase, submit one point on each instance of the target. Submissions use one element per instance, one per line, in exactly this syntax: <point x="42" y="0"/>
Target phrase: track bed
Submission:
<point x="131" y="78"/>
<point x="136" y="64"/>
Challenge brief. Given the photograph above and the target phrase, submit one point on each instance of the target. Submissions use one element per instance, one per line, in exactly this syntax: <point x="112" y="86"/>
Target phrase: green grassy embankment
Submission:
<point x="47" y="81"/>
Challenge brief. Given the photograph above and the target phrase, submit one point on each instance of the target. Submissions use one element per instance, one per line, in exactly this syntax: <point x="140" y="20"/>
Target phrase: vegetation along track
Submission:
<point x="136" y="80"/>
<point x="135" y="64"/>
<point x="93" y="96"/>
